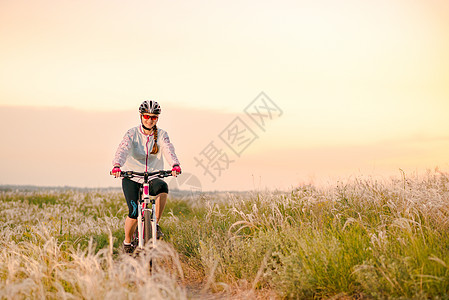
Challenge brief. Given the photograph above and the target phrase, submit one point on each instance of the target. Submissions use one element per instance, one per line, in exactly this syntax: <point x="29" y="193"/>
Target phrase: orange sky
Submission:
<point x="363" y="85"/>
<point x="63" y="146"/>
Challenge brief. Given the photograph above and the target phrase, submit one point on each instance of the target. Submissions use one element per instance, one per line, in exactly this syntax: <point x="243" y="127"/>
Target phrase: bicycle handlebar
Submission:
<point x="130" y="174"/>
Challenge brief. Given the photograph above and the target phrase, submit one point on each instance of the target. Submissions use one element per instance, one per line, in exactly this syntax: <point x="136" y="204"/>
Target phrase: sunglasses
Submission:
<point x="146" y="117"/>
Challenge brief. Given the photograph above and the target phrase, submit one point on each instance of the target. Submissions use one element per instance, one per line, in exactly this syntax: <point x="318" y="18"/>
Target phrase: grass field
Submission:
<point x="364" y="239"/>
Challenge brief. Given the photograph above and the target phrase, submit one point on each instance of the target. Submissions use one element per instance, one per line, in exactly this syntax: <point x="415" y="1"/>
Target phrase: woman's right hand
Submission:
<point x="116" y="171"/>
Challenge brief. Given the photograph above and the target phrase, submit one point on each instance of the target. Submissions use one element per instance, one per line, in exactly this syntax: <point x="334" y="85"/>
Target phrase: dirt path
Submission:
<point x="198" y="292"/>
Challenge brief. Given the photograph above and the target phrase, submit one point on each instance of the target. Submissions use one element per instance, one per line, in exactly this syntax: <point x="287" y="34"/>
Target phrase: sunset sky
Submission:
<point x="360" y="87"/>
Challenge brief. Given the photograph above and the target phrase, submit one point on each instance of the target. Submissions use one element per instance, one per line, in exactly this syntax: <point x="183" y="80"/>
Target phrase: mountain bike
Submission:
<point x="146" y="215"/>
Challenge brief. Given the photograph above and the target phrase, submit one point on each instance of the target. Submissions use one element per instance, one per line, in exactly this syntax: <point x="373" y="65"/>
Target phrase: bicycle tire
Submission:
<point x="147" y="226"/>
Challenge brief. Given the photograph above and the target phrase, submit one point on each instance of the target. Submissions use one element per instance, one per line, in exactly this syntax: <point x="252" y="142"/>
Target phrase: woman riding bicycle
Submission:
<point x="143" y="149"/>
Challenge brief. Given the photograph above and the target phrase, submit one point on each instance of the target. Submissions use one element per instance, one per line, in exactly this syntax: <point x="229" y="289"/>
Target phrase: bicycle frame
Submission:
<point x="144" y="212"/>
<point x="146" y="216"/>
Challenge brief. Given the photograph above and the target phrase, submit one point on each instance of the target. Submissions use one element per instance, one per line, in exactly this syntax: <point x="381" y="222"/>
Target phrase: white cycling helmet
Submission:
<point x="150" y="107"/>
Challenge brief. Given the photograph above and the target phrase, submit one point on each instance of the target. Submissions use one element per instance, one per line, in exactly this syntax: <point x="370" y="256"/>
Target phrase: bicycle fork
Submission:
<point x="142" y="208"/>
<point x="153" y="222"/>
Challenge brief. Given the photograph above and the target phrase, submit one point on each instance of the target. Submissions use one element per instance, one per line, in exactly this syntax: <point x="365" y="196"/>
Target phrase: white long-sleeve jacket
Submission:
<point x="133" y="153"/>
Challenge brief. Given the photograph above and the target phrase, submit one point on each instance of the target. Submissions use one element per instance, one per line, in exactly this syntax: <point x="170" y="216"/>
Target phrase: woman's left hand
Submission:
<point x="176" y="170"/>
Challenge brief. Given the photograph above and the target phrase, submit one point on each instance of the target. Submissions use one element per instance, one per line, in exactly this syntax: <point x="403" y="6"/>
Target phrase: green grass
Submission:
<point x="360" y="239"/>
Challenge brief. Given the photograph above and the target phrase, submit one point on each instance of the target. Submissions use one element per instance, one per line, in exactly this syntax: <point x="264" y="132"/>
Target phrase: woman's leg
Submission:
<point x="159" y="188"/>
<point x="161" y="200"/>
<point x="130" y="227"/>
<point x="131" y="191"/>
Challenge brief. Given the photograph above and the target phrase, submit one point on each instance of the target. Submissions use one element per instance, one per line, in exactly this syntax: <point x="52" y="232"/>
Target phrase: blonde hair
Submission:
<point x="155" y="146"/>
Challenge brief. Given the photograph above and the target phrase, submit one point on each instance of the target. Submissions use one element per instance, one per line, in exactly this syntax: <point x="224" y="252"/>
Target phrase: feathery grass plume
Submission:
<point x="363" y="237"/>
<point x="40" y="260"/>
<point x="380" y="238"/>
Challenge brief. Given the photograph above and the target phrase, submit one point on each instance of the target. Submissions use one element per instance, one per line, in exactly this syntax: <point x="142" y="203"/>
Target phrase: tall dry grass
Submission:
<point x="362" y="238"/>
<point x="49" y="249"/>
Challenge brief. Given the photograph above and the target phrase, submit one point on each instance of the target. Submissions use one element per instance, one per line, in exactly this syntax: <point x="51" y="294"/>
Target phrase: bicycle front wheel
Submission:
<point x="147" y="226"/>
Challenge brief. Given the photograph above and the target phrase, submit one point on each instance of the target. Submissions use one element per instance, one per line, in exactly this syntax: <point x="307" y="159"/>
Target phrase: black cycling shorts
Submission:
<point x="131" y="190"/>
